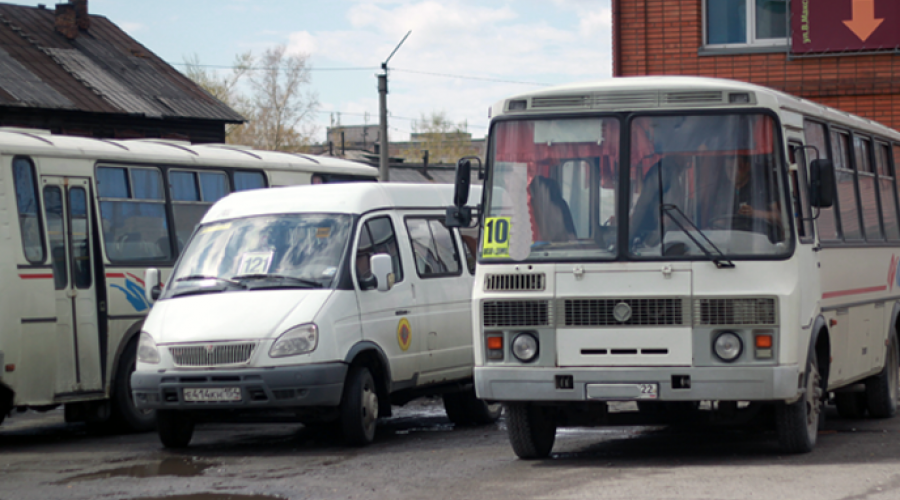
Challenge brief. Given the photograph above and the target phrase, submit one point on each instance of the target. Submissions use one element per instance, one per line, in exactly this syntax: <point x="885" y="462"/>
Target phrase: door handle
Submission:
<point x="401" y="312"/>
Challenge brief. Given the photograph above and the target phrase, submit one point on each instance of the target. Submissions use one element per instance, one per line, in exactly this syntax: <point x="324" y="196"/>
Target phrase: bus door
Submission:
<point x="808" y="258"/>
<point x="67" y="209"/>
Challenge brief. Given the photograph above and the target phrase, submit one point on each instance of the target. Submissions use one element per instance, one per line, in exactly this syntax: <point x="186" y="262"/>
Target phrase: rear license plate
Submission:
<point x="622" y="392"/>
<point x="213" y="394"/>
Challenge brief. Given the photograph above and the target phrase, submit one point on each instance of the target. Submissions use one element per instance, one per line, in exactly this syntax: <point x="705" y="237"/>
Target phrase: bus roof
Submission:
<point x="350" y="198"/>
<point x="33" y="142"/>
<point x="670" y="93"/>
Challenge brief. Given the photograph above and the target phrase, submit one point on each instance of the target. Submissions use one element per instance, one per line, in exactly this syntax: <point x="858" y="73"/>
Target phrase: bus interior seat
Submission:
<point x="551" y="212"/>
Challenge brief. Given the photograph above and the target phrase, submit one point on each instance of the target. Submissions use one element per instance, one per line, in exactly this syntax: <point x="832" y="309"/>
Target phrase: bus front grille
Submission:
<point x="212" y="354"/>
<point x="640" y="312"/>
<point x="735" y="311"/>
<point x="514" y="282"/>
<point x="516" y="313"/>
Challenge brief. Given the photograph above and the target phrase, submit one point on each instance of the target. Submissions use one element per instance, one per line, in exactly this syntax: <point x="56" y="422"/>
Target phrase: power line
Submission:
<point x="470" y="77"/>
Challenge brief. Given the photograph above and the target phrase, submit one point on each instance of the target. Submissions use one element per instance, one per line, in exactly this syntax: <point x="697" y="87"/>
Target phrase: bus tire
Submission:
<point x="851" y="405"/>
<point x="359" y="407"/>
<point x="125" y="414"/>
<point x="464" y="408"/>
<point x="531" y="429"/>
<point x="882" y="389"/>
<point x="176" y="428"/>
<point x="797" y="424"/>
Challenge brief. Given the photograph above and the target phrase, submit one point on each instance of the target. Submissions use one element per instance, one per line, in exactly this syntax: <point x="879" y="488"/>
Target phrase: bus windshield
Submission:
<point x="719" y="175"/>
<point x="554" y="187"/>
<point x="293" y="250"/>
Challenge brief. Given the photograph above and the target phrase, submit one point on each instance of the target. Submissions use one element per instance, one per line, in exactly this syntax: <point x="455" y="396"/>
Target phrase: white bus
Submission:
<point x="759" y="283"/>
<point x="80" y="219"/>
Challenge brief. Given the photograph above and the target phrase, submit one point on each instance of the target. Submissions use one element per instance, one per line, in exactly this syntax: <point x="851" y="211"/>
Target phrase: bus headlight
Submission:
<point x="728" y="346"/>
<point x="525" y="347"/>
<point x="147" y="351"/>
<point x="297" y="340"/>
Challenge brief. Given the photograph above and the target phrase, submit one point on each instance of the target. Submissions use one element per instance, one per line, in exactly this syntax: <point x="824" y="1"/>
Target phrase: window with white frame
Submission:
<point x="730" y="23"/>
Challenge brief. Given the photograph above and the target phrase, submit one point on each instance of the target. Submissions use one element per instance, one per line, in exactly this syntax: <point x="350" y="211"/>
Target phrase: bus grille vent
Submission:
<point x="567" y="101"/>
<point x="621" y="100"/>
<point x="514" y="282"/>
<point x="212" y="354"/>
<point x="685" y="98"/>
<point x="640" y="312"/>
<point x="516" y="313"/>
<point x="745" y="311"/>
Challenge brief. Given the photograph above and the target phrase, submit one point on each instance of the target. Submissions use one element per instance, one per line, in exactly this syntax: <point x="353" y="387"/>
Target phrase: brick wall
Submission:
<point x="662" y="37"/>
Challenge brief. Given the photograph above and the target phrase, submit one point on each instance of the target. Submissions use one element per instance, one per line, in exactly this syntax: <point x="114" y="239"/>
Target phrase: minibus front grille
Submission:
<point x="516" y="313"/>
<point x="640" y="312"/>
<point x="514" y="282"/>
<point x="737" y="311"/>
<point x="212" y="354"/>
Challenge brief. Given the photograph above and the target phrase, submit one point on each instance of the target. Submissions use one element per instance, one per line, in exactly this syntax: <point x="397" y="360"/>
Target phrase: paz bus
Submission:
<point x="80" y="219"/>
<point x="707" y="249"/>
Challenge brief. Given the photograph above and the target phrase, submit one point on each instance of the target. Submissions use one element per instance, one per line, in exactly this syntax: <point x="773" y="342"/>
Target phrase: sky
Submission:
<point x="461" y="57"/>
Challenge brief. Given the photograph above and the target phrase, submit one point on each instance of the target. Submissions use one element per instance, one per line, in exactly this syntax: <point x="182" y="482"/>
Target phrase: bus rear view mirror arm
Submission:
<point x="383" y="271"/>
<point x="153" y="284"/>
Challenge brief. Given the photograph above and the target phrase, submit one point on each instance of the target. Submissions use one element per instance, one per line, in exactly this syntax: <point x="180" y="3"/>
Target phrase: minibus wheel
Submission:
<point x="125" y="413"/>
<point x="882" y="389"/>
<point x="175" y="428"/>
<point x="531" y="429"/>
<point x="359" y="407"/>
<point x="797" y="424"/>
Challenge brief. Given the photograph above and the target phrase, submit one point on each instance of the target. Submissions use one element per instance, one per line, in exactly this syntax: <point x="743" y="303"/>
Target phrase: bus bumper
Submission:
<point x="279" y="387"/>
<point x="771" y="383"/>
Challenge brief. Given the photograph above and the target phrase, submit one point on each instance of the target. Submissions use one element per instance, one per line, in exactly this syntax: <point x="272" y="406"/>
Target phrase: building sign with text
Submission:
<point x="844" y="25"/>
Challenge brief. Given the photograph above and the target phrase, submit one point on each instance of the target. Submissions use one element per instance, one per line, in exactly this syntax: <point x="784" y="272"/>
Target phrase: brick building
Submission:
<point x="841" y="53"/>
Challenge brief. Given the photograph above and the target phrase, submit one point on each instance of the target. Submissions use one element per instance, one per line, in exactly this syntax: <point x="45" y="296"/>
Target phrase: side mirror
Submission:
<point x="459" y="215"/>
<point x="383" y="271"/>
<point x="153" y="284"/>
<point x="821" y="183"/>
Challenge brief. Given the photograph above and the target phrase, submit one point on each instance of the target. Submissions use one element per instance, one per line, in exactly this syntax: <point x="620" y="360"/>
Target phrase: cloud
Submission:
<point x="130" y="27"/>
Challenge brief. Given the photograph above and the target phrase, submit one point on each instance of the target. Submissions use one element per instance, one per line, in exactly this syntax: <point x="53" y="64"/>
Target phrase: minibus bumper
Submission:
<point x="771" y="383"/>
<point x="276" y="387"/>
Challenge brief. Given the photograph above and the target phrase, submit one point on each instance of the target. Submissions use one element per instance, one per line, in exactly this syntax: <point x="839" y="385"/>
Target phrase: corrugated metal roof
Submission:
<point x="102" y="70"/>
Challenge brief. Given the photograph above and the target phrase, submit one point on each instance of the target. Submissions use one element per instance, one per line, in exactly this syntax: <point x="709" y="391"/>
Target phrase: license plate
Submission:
<point x="622" y="392"/>
<point x="213" y="394"/>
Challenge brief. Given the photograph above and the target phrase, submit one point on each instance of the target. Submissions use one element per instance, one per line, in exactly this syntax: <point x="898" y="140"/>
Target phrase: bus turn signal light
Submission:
<point x="764" y="341"/>
<point x="495" y="347"/>
<point x="495" y="343"/>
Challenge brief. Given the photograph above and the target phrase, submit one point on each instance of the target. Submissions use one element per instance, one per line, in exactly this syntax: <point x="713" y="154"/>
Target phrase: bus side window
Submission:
<point x="133" y="214"/>
<point x="192" y="195"/>
<point x="27" y="203"/>
<point x="797" y="156"/>
<point x="248" y="180"/>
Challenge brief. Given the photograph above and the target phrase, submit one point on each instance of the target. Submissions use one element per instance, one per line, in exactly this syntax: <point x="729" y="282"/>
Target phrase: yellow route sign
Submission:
<point x="496" y="237"/>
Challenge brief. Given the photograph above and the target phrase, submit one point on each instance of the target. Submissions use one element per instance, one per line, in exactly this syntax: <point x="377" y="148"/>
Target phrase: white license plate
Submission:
<point x="622" y="392"/>
<point x="213" y="394"/>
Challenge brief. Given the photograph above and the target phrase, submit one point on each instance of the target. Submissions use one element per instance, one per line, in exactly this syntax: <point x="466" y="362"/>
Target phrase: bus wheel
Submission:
<point x="359" y="407"/>
<point x="797" y="423"/>
<point x="125" y="413"/>
<point x="851" y="405"/>
<point x="175" y="428"/>
<point x="881" y="389"/>
<point x="532" y="430"/>
<point x="464" y="408"/>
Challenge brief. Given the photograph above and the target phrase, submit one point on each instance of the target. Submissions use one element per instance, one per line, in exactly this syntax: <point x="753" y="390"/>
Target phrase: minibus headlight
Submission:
<point x="147" y="351"/>
<point x="525" y="347"/>
<point x="297" y="340"/>
<point x="728" y="346"/>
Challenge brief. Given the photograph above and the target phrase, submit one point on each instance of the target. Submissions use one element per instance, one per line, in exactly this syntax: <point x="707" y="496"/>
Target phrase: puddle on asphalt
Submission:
<point x="212" y="496"/>
<point x="180" y="467"/>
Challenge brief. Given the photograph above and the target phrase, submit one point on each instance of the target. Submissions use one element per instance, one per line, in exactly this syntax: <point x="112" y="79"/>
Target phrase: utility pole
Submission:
<point x="384" y="164"/>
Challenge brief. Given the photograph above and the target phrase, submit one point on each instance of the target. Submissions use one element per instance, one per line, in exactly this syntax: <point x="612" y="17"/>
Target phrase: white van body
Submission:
<point x="214" y="341"/>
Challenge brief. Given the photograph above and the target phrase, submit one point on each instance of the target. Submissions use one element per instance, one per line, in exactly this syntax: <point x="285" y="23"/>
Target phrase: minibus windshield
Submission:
<point x="290" y="250"/>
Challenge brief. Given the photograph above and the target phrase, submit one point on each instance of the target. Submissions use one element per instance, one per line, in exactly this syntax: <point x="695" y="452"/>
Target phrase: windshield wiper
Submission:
<point x="282" y="277"/>
<point x="721" y="261"/>
<point x="199" y="277"/>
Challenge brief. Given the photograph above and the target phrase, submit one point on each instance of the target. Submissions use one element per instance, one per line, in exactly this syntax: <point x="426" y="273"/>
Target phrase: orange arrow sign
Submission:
<point x="863" y="23"/>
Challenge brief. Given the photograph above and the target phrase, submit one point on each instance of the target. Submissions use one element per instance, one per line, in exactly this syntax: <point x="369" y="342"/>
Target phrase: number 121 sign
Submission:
<point x="844" y="25"/>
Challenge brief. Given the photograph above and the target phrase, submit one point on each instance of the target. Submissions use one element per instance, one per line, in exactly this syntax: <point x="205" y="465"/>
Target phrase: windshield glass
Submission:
<point x="719" y="174"/>
<point x="553" y="190"/>
<point x="300" y="250"/>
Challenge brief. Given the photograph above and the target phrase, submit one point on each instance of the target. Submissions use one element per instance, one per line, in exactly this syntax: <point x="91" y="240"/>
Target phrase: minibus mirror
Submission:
<point x="463" y="181"/>
<point x="821" y="183"/>
<point x="383" y="270"/>
<point x="153" y="284"/>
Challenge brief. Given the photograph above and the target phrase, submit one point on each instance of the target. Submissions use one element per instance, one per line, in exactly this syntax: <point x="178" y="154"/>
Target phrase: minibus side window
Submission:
<point x="886" y="190"/>
<point x="53" y="210"/>
<point x="133" y="214"/>
<point x="248" y="180"/>
<point x="433" y="247"/>
<point x="377" y="236"/>
<point x="192" y="195"/>
<point x="817" y="136"/>
<point x="868" y="192"/>
<point x="851" y="229"/>
<point x="27" y="203"/>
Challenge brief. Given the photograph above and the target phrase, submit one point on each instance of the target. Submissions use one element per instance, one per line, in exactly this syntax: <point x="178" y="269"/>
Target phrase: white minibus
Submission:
<point x="80" y="219"/>
<point x="712" y="250"/>
<point x="326" y="304"/>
